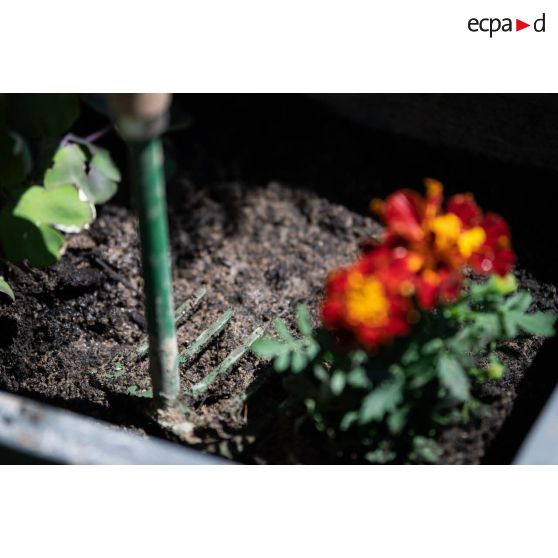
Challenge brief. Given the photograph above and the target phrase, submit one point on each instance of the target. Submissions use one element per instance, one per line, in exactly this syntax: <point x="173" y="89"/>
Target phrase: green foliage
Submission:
<point x="390" y="406"/>
<point x="6" y="289"/>
<point x="88" y="167"/>
<point x="29" y="226"/>
<point x="288" y="352"/>
<point x="77" y="175"/>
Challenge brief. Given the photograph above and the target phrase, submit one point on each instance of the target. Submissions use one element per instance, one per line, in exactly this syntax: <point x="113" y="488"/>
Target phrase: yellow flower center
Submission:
<point x="446" y="229"/>
<point x="366" y="301"/>
<point x="470" y="241"/>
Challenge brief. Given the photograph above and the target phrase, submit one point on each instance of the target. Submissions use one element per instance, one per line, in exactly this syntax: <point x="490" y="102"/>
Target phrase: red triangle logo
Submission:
<point x="519" y="25"/>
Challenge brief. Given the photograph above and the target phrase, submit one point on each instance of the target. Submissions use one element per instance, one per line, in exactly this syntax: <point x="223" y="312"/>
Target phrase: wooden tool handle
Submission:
<point x="140" y="116"/>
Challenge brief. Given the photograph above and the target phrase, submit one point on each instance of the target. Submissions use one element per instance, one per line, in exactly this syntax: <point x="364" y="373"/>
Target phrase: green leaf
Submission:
<point x="312" y="348"/>
<point x="380" y="401"/>
<point x="489" y="324"/>
<point x="539" y="323"/>
<point x="282" y="362"/>
<point x="282" y="330"/>
<point x="320" y="373"/>
<point x="68" y="168"/>
<point x="6" y="289"/>
<point x="103" y="178"/>
<point x="453" y="377"/>
<point x="397" y="419"/>
<point x="357" y="378"/>
<point x="519" y="302"/>
<point x="303" y="320"/>
<point x="42" y="114"/>
<point x="266" y="347"/>
<point x="104" y="164"/>
<point x="426" y="449"/>
<point x="27" y="226"/>
<point x="298" y="362"/>
<point x="510" y="325"/>
<point x="338" y="382"/>
<point x="433" y="346"/>
<point x="15" y="160"/>
<point x="503" y="285"/>
<point x="60" y="207"/>
<point x="348" y="420"/>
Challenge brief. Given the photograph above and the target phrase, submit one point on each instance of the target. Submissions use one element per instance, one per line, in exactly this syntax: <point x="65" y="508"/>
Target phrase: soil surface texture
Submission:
<point x="260" y="237"/>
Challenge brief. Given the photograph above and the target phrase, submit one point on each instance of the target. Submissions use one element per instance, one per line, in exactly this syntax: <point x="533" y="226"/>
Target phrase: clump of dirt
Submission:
<point x="260" y="251"/>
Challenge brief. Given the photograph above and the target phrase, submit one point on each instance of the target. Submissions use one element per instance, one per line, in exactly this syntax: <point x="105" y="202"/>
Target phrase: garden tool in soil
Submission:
<point x="140" y="119"/>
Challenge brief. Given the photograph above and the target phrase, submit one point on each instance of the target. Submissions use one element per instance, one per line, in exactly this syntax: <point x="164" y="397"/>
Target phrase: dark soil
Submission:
<point x="260" y="246"/>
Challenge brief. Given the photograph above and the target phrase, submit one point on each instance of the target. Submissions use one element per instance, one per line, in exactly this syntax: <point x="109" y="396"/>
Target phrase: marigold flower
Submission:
<point x="445" y="241"/>
<point x="370" y="300"/>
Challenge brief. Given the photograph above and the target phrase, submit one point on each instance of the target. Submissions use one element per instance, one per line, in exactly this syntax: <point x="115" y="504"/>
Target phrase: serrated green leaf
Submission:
<point x="266" y="347"/>
<point x="539" y="323"/>
<point x="6" y="289"/>
<point x="303" y="320"/>
<point x="453" y="377"/>
<point x="380" y="401"/>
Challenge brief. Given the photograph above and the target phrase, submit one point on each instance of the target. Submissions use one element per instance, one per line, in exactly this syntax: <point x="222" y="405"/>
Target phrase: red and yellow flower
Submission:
<point x="419" y="262"/>
<point x="370" y="299"/>
<point x="445" y="241"/>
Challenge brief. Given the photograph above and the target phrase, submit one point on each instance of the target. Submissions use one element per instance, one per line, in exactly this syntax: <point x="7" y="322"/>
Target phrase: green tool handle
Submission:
<point x="148" y="179"/>
<point x="140" y="118"/>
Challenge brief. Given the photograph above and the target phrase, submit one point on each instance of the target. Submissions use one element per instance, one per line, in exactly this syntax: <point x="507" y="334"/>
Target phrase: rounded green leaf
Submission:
<point x="99" y="188"/>
<point x="103" y="163"/>
<point x="68" y="168"/>
<point x="59" y="207"/>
